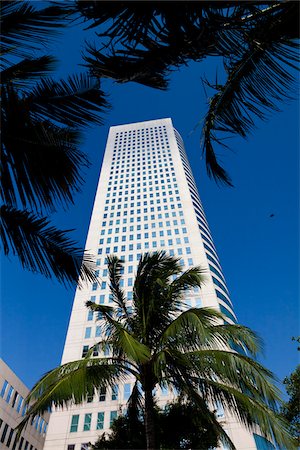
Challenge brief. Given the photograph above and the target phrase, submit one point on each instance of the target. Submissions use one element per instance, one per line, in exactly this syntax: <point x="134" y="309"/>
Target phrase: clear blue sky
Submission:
<point x="259" y="254"/>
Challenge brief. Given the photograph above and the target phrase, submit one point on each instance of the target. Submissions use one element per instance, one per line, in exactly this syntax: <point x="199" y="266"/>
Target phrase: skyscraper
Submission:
<point x="146" y="200"/>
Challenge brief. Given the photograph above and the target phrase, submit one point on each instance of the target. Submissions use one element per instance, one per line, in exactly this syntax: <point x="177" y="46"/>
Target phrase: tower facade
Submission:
<point x="146" y="200"/>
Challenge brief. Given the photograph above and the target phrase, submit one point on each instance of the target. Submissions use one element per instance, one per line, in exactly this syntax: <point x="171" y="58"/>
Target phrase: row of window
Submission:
<point x="88" y="421"/>
<point x="16" y="401"/>
<point x="137" y="183"/>
<point x="9" y="438"/>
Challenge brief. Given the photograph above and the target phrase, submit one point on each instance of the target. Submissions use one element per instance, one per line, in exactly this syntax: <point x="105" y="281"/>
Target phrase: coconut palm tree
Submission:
<point x="159" y="343"/>
<point x="42" y="121"/>
<point x="258" y="42"/>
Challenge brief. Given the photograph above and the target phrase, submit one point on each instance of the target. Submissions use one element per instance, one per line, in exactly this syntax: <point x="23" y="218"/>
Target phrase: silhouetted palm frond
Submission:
<point x="25" y="72"/>
<point x="258" y="79"/>
<point x="138" y="66"/>
<point x="44" y="249"/>
<point x="74" y="102"/>
<point x="40" y="161"/>
<point x="25" y="28"/>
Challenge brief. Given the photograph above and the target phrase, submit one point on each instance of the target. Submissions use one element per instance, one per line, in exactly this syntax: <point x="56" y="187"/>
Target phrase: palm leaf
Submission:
<point x="75" y="102"/>
<point x="120" y="338"/>
<point x="118" y="296"/>
<point x="25" y="72"/>
<point x="70" y="383"/>
<point x="40" y="161"/>
<point x="258" y="79"/>
<point x="24" y="28"/>
<point x="42" y="248"/>
<point x="136" y="66"/>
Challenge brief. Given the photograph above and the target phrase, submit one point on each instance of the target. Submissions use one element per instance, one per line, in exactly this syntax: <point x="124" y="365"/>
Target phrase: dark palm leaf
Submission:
<point x="24" y="28"/>
<point x="25" y="72"/>
<point x="128" y="66"/>
<point x="257" y="80"/>
<point x="44" y="249"/>
<point x="75" y="102"/>
<point x="40" y="161"/>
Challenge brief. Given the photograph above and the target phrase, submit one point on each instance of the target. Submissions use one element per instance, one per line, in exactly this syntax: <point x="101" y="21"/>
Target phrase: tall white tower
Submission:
<point x="146" y="200"/>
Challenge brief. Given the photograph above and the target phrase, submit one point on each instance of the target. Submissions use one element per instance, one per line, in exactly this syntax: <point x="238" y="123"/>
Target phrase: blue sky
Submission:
<point x="259" y="254"/>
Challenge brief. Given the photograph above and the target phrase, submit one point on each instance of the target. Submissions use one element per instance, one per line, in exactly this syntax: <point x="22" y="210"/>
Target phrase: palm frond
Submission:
<point x="44" y="249"/>
<point x="237" y="337"/>
<point x="194" y="277"/>
<point x="25" y="28"/>
<point x="70" y="383"/>
<point x="191" y="327"/>
<point x="25" y="72"/>
<point x="120" y="338"/>
<point x="137" y="66"/>
<point x="40" y="161"/>
<point x="118" y="295"/>
<point x="257" y="81"/>
<point x="251" y="412"/>
<point x="76" y="101"/>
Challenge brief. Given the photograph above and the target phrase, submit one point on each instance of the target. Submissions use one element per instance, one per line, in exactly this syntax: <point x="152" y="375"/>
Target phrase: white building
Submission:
<point x="146" y="200"/>
<point x="12" y="408"/>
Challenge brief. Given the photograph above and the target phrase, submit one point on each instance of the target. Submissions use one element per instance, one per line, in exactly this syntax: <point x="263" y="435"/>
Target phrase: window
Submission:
<point x="98" y="331"/>
<point x="103" y="285"/>
<point x="102" y="394"/>
<point x="9" y="394"/>
<point x="100" y="421"/>
<point x="5" y="384"/>
<point x="71" y="447"/>
<point x="74" y="423"/>
<point x="85" y="350"/>
<point x="4" y="433"/>
<point x="87" y="422"/>
<point x="114" y="392"/>
<point x="20" y="404"/>
<point x="101" y="299"/>
<point x="94" y="286"/>
<point x="127" y="391"/>
<point x="88" y="331"/>
<point x="9" y="438"/>
<point x="90" y="315"/>
<point x="113" y="416"/>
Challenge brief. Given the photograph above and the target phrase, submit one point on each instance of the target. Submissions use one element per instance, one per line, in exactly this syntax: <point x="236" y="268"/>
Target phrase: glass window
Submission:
<point x="102" y="394"/>
<point x="127" y="391"/>
<point x="100" y="421"/>
<point x="5" y="384"/>
<point x="9" y="394"/>
<point x="74" y="423"/>
<point x="87" y="422"/>
<point x="113" y="416"/>
<point x="88" y="331"/>
<point x="94" y="286"/>
<point x="98" y="331"/>
<point x="114" y="392"/>
<point x="85" y="349"/>
<point x="4" y="433"/>
<point x="19" y="404"/>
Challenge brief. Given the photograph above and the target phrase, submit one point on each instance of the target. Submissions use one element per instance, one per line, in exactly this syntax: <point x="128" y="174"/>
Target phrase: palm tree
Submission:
<point x="160" y="344"/>
<point x="41" y="163"/>
<point x="258" y="41"/>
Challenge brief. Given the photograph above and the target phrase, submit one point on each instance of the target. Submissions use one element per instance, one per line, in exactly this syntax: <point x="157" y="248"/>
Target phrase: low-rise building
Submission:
<point x="12" y="408"/>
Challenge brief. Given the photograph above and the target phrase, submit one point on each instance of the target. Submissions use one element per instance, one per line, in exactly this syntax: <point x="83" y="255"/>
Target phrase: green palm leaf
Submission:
<point x="70" y="383"/>
<point x="42" y="248"/>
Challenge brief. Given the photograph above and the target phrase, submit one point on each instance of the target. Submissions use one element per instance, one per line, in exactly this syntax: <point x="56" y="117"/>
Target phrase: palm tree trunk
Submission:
<point x="149" y="420"/>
